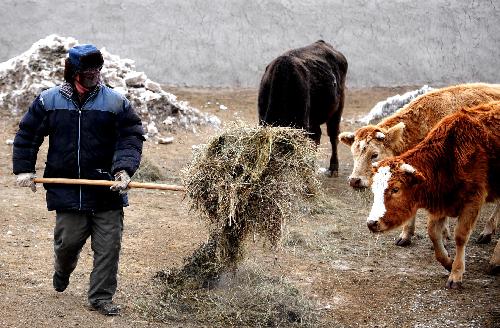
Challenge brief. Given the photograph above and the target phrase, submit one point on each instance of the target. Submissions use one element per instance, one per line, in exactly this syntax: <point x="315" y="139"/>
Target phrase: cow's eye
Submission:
<point x="394" y="190"/>
<point x="374" y="156"/>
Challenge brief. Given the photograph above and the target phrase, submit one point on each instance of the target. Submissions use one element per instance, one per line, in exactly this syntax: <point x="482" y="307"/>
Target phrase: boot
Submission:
<point x="107" y="308"/>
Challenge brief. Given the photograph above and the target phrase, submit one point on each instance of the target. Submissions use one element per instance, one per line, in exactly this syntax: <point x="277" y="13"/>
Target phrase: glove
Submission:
<point x="26" y="180"/>
<point x="122" y="180"/>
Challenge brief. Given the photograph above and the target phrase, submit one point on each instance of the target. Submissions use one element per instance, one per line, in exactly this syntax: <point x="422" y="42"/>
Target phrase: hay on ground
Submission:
<point x="148" y="171"/>
<point x="247" y="299"/>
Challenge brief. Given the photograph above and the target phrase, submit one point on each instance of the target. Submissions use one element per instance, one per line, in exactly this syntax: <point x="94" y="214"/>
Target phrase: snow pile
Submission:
<point x="23" y="77"/>
<point x="391" y="105"/>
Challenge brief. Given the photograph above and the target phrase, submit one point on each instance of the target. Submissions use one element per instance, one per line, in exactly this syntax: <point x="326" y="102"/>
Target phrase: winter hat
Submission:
<point x="85" y="56"/>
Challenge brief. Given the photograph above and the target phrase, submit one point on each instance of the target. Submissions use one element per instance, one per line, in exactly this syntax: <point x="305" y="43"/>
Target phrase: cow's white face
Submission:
<point x="364" y="153"/>
<point x="370" y="144"/>
<point x="393" y="188"/>
<point x="379" y="186"/>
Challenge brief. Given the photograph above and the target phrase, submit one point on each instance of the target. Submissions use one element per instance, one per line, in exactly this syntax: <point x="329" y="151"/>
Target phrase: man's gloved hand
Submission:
<point x="122" y="180"/>
<point x="26" y="180"/>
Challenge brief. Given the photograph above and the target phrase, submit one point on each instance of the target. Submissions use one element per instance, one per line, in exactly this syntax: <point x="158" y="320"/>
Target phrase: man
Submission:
<point x="93" y="134"/>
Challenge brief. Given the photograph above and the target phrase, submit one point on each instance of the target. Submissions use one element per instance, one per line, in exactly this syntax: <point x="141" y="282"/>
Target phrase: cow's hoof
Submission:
<point x="403" y="242"/>
<point x="329" y="173"/>
<point x="332" y="173"/>
<point x="484" y="239"/>
<point x="454" y="284"/>
<point x="494" y="269"/>
<point x="447" y="264"/>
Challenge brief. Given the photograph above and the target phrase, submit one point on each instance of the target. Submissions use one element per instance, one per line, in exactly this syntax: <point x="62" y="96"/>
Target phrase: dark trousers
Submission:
<point x="105" y="229"/>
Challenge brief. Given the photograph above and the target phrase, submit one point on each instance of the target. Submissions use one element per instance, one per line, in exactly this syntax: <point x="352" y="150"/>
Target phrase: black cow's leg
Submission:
<point x="333" y="131"/>
<point x="334" y="160"/>
<point x="316" y="134"/>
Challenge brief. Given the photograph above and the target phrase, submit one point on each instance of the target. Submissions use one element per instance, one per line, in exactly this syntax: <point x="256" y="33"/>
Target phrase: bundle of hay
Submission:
<point x="250" y="180"/>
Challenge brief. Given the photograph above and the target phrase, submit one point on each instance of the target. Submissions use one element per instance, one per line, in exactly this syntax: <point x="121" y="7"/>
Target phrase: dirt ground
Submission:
<point x="356" y="279"/>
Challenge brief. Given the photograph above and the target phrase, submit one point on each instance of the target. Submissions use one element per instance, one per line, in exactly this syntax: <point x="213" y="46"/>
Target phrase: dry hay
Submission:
<point x="250" y="180"/>
<point x="246" y="299"/>
<point x="148" y="171"/>
<point x="245" y="181"/>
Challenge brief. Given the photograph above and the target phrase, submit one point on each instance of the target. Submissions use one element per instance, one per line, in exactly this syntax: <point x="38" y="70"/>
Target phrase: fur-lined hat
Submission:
<point x="80" y="58"/>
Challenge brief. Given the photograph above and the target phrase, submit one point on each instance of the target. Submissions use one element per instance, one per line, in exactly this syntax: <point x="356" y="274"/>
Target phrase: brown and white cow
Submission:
<point x="407" y="127"/>
<point x="452" y="172"/>
<point x="304" y="88"/>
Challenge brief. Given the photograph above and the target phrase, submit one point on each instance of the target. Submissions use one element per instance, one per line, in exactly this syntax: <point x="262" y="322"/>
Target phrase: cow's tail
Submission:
<point x="284" y="95"/>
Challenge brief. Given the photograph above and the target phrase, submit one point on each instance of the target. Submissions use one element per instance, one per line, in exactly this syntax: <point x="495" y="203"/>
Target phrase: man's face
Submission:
<point x="89" y="78"/>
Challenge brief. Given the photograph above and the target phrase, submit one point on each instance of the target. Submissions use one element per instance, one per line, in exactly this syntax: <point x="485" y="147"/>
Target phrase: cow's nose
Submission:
<point x="372" y="225"/>
<point x="355" y="182"/>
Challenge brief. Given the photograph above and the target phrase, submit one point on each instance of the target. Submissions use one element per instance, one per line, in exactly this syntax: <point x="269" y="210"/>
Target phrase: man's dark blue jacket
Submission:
<point x="91" y="140"/>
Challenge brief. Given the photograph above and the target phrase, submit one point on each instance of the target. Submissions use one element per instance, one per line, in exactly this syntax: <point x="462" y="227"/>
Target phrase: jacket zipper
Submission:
<point x="78" y="151"/>
<point x="79" y="135"/>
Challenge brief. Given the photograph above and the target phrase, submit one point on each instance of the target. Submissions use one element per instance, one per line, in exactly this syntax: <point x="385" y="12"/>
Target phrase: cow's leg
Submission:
<point x="446" y="230"/>
<point x="435" y="225"/>
<point x="463" y="229"/>
<point x="408" y="231"/>
<point x="490" y="227"/>
<point x="315" y="132"/>
<point x="404" y="238"/>
<point x="495" y="260"/>
<point x="333" y="129"/>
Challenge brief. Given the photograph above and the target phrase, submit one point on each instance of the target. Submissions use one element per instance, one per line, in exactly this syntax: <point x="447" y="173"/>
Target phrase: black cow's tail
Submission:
<point x="284" y="95"/>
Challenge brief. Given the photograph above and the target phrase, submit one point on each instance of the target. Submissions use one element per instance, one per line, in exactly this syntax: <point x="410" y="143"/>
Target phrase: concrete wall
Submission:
<point x="229" y="43"/>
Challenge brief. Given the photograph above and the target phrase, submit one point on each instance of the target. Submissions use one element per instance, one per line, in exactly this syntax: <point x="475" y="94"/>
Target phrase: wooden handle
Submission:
<point x="107" y="183"/>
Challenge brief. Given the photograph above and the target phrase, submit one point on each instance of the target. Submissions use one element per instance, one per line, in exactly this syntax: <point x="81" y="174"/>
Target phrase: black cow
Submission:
<point x="304" y="88"/>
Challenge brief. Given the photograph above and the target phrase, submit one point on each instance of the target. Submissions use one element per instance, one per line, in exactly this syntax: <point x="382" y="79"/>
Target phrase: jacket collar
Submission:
<point x="67" y="90"/>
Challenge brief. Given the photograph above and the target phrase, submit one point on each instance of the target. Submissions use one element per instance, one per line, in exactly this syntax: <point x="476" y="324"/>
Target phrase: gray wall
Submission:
<point x="229" y="43"/>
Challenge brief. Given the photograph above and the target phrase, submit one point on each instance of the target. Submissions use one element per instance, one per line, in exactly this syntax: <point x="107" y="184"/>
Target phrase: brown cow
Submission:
<point x="407" y="127"/>
<point x="304" y="88"/>
<point x="452" y="172"/>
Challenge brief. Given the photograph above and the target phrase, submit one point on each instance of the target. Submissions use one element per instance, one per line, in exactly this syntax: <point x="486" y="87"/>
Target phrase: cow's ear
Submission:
<point x="415" y="176"/>
<point x="346" y="138"/>
<point x="394" y="134"/>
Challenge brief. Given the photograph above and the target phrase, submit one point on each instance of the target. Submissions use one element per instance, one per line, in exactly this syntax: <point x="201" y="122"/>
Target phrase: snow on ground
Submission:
<point x="389" y="106"/>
